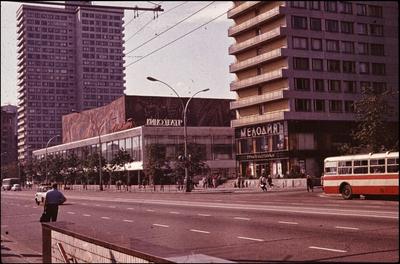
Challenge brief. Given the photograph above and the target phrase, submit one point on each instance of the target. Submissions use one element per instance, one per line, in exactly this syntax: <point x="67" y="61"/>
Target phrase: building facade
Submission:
<point x="8" y="135"/>
<point x="68" y="58"/>
<point x="133" y="123"/>
<point x="300" y="66"/>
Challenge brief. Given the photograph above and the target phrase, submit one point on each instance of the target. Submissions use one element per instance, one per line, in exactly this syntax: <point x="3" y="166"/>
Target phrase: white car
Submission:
<point x="16" y="187"/>
<point x="40" y="195"/>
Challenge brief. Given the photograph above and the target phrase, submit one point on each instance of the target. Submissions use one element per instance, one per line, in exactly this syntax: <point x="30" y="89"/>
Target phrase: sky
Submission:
<point x="189" y="64"/>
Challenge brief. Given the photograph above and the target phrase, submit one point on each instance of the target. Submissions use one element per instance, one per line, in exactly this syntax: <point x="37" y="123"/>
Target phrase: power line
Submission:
<point x="158" y="8"/>
<point x="169" y="43"/>
<point x="141" y="45"/>
<point x="134" y="34"/>
<point x="137" y="15"/>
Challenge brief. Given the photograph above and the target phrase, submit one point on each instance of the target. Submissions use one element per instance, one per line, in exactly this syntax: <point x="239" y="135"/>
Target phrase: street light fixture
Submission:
<point x="184" y="107"/>
<point x="48" y="142"/>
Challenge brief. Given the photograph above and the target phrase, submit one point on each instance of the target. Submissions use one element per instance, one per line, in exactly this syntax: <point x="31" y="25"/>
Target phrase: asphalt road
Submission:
<point x="242" y="227"/>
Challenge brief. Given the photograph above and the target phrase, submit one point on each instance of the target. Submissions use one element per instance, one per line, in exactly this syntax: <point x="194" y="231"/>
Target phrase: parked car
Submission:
<point x="16" y="187"/>
<point x="40" y="194"/>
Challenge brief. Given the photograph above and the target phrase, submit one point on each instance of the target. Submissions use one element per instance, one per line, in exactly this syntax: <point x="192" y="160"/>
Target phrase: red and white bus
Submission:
<point x="364" y="174"/>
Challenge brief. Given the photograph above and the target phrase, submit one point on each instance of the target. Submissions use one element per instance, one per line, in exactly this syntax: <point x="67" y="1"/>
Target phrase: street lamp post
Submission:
<point x="48" y="142"/>
<point x="184" y="108"/>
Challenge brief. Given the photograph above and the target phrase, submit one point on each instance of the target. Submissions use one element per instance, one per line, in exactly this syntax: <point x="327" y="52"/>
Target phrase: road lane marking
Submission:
<point x="160" y="225"/>
<point x="250" y="238"/>
<point x="199" y="231"/>
<point x="105" y="217"/>
<point x="111" y="206"/>
<point x="130" y="208"/>
<point x="149" y="210"/>
<point x="70" y="212"/>
<point x="289" y="223"/>
<point x="203" y="215"/>
<point x="173" y="212"/>
<point x="97" y="204"/>
<point x="328" y="249"/>
<point x="84" y="204"/>
<point x="242" y="218"/>
<point x="347" y="227"/>
<point x="86" y="214"/>
<point x="127" y="220"/>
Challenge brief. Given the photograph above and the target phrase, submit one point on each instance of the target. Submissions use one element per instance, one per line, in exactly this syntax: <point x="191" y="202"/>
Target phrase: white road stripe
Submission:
<point x="130" y="208"/>
<point x="174" y="212"/>
<point x="149" y="210"/>
<point x="203" y="215"/>
<point x="86" y="214"/>
<point x="242" y="218"/>
<point x="97" y="204"/>
<point x="347" y="227"/>
<point x="105" y="217"/>
<point x="199" y="231"/>
<point x="160" y="225"/>
<point x="329" y="249"/>
<point x="83" y="204"/>
<point x="70" y="213"/>
<point x="289" y="223"/>
<point x="112" y="206"/>
<point x="129" y="221"/>
<point x="249" y="238"/>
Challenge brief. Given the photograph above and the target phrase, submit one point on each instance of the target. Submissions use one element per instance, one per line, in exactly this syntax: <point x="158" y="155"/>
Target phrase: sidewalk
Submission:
<point x="13" y="252"/>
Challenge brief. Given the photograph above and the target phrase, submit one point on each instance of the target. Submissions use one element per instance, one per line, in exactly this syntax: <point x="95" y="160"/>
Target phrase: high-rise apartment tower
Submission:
<point x="69" y="59"/>
<point x="300" y="66"/>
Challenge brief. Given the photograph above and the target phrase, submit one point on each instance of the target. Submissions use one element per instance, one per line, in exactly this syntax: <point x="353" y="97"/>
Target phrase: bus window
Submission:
<point x="331" y="167"/>
<point x="392" y="165"/>
<point x="360" y="166"/>
<point x="377" y="166"/>
<point x="345" y="167"/>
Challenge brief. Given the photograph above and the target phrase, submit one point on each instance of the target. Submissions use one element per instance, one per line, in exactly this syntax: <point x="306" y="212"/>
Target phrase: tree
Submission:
<point x="70" y="168"/>
<point x="156" y="163"/>
<point x="91" y="166"/>
<point x="374" y="131"/>
<point x="120" y="159"/>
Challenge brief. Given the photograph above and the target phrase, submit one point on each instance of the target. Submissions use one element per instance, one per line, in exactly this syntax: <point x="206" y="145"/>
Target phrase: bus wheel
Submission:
<point x="347" y="193"/>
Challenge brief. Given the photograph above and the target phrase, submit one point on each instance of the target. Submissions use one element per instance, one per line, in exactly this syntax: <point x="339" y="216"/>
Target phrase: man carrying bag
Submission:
<point x="53" y="199"/>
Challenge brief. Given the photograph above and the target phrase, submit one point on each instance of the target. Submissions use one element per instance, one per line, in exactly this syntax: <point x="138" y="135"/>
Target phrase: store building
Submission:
<point x="134" y="122"/>
<point x="300" y="66"/>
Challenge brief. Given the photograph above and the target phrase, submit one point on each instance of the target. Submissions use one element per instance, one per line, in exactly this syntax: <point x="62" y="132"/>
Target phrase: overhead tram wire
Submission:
<point x="158" y="8"/>
<point x="137" y="15"/>
<point x="134" y="34"/>
<point x="169" y="43"/>
<point x="141" y="45"/>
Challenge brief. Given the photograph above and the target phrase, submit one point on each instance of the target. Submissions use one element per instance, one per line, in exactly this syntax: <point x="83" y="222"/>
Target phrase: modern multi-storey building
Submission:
<point x="68" y="59"/>
<point x="300" y="66"/>
<point x="8" y="134"/>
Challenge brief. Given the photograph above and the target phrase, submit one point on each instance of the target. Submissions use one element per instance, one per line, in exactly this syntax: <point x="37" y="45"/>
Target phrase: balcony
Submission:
<point x="21" y="96"/>
<point x="20" y="123"/>
<point x="265" y="57"/>
<point x="21" y="109"/>
<point x="21" y="89"/>
<point x="21" y="82"/>
<point x="241" y="8"/>
<point x="249" y="24"/>
<point x="257" y="40"/>
<point x="259" y="79"/>
<point x="21" y="42"/>
<point x="258" y="99"/>
<point x="258" y="119"/>
<point x="21" y="129"/>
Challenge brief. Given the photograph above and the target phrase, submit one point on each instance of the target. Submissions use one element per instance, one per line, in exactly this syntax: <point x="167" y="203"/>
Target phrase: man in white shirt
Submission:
<point x="53" y="199"/>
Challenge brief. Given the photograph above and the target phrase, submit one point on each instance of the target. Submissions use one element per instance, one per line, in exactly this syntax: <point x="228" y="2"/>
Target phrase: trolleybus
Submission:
<point x="364" y="174"/>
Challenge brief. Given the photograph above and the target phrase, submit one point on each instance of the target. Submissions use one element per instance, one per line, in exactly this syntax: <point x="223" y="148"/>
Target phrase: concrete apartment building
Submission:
<point x="300" y="66"/>
<point x="69" y="59"/>
<point x="8" y="135"/>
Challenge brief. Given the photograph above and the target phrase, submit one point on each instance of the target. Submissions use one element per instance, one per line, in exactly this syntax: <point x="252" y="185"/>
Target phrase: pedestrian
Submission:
<point x="53" y="199"/>
<point x="270" y="181"/>
<point x="263" y="183"/>
<point x="310" y="185"/>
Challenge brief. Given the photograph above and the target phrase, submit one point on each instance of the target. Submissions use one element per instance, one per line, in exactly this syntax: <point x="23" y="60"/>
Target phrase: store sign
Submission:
<point x="164" y="122"/>
<point x="266" y="129"/>
<point x="263" y="156"/>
